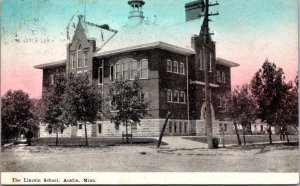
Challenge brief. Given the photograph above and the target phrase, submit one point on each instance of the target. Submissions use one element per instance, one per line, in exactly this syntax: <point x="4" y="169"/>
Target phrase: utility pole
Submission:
<point x="207" y="57"/>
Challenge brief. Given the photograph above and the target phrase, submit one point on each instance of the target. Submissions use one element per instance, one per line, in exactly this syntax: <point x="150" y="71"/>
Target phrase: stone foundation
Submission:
<point x="44" y="133"/>
<point x="146" y="128"/>
<point x="201" y="127"/>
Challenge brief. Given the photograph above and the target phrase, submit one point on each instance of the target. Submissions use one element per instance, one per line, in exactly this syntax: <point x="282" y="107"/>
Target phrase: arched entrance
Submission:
<point x="203" y="109"/>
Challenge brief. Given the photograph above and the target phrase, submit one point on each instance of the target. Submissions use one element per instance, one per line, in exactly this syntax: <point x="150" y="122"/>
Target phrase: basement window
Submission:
<point x="185" y="127"/>
<point x="175" y="127"/>
<point x="180" y="126"/>
<point x="170" y="126"/>
<point x="99" y="128"/>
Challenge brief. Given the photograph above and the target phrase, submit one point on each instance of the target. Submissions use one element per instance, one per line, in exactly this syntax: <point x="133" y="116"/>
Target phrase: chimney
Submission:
<point x="194" y="10"/>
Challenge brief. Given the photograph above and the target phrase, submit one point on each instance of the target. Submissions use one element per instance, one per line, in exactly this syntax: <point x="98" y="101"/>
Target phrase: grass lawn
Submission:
<point x="232" y="139"/>
<point x="93" y="142"/>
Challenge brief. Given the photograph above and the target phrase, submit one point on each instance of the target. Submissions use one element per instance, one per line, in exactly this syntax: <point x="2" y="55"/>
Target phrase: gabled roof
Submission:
<point x="97" y="34"/>
<point x="50" y="65"/>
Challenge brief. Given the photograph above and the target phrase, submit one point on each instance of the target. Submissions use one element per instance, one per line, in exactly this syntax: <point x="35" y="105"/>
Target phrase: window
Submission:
<point x="175" y="127"/>
<point x="111" y="76"/>
<point x="144" y="96"/>
<point x="181" y="68"/>
<point x="182" y="97"/>
<point x="51" y="80"/>
<point x="170" y="127"/>
<point x="118" y="71"/>
<point x="220" y="128"/>
<point x="144" y="68"/>
<point x="169" y="65"/>
<point x="220" y="103"/>
<point x="101" y="75"/>
<point x="225" y="127"/>
<point x="99" y="128"/>
<point x="201" y="60"/>
<point x="85" y="59"/>
<point x="175" y="67"/>
<point x="80" y="126"/>
<point x="79" y="57"/>
<point x="73" y="61"/>
<point x="176" y="96"/>
<point x="223" y="77"/>
<point x="169" y="96"/>
<point x="185" y="127"/>
<point x="180" y="127"/>
<point x="210" y="62"/>
<point x="209" y="95"/>
<point x="134" y="70"/>
<point x="218" y="76"/>
<point x="125" y="71"/>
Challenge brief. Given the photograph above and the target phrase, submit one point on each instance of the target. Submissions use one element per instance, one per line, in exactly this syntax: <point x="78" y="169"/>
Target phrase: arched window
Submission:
<point x="79" y="56"/>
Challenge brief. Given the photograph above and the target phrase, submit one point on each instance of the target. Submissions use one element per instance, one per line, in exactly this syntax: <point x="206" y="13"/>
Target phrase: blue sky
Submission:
<point x="246" y="32"/>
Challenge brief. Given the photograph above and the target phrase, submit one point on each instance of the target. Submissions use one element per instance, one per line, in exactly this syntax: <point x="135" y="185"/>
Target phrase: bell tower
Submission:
<point x="136" y="14"/>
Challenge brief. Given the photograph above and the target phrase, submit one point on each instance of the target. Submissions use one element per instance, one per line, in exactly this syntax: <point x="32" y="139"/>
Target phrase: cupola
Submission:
<point x="136" y="14"/>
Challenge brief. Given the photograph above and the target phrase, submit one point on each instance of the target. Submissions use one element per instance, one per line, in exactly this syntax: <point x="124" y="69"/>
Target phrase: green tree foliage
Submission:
<point x="239" y="105"/>
<point x="270" y="92"/>
<point x="15" y="112"/>
<point x="83" y="101"/>
<point x="53" y="102"/>
<point x="128" y="104"/>
<point x="289" y="110"/>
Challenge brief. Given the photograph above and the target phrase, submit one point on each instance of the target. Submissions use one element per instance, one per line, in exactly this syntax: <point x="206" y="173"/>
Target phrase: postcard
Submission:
<point x="149" y="92"/>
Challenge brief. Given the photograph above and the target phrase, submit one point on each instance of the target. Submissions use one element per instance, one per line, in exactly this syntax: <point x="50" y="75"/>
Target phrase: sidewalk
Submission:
<point x="177" y="142"/>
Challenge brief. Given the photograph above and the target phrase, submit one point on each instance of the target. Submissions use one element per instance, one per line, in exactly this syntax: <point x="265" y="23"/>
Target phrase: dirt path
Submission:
<point x="149" y="159"/>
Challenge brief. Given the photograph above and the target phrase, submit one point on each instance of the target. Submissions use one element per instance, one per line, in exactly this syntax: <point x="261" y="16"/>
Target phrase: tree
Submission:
<point x="246" y="108"/>
<point x="127" y="102"/>
<point x="289" y="109"/>
<point x="54" y="106"/>
<point x="83" y="101"/>
<point x="270" y="90"/>
<point x="239" y="106"/>
<point x="15" y="112"/>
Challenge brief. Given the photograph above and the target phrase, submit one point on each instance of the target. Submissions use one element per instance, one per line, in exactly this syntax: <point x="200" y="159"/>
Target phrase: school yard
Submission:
<point x="176" y="154"/>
